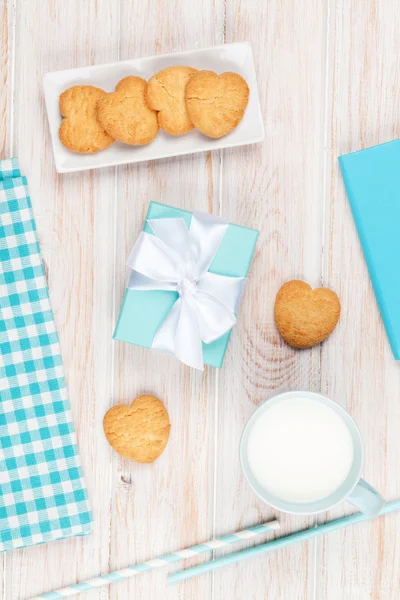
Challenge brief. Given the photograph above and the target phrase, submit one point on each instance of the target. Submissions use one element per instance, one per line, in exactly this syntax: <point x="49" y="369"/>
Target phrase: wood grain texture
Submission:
<point x="6" y="34"/>
<point x="6" y="45"/>
<point x="74" y="215"/>
<point x="167" y="505"/>
<point x="329" y="76"/>
<point x="273" y="187"/>
<point x="357" y="367"/>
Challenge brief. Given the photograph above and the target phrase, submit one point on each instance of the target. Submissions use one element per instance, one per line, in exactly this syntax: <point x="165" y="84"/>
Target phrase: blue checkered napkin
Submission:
<point x="42" y="493"/>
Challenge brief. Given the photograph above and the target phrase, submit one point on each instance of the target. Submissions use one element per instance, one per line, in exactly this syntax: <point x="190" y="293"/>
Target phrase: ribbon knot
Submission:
<point x="187" y="287"/>
<point x="177" y="259"/>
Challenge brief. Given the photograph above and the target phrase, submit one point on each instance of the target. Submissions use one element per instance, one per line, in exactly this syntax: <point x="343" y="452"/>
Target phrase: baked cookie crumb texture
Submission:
<point x="166" y="95"/>
<point x="125" y="114"/>
<point x="80" y="130"/>
<point x="216" y="103"/>
<point x="305" y="316"/>
<point x="140" y="431"/>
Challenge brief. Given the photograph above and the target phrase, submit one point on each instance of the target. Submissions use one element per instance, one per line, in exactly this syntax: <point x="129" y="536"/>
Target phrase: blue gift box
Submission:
<point x="142" y="312"/>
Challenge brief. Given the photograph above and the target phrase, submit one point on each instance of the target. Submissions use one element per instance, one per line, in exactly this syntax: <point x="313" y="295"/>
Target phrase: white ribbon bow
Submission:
<point x="176" y="258"/>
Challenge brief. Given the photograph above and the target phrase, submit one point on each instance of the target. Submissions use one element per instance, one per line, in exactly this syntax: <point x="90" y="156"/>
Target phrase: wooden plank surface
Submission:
<point x="7" y="22"/>
<point x="273" y="187"/>
<point x="74" y="216"/>
<point x="357" y="366"/>
<point x="169" y="504"/>
<point x="329" y="76"/>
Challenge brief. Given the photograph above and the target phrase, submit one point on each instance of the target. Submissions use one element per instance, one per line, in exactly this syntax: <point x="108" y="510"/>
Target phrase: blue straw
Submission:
<point x="162" y="561"/>
<point x="300" y="536"/>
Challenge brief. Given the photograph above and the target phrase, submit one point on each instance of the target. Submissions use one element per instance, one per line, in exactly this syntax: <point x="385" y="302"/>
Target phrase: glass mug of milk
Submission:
<point x="302" y="453"/>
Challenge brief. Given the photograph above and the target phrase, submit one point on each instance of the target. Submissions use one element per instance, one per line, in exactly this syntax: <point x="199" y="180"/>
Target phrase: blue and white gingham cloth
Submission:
<point x="42" y="493"/>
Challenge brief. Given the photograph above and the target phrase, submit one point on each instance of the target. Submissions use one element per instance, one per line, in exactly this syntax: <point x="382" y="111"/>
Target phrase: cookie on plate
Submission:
<point x="216" y="103"/>
<point x="140" y="431"/>
<point x="80" y="130"/>
<point x="303" y="316"/>
<point x="166" y="95"/>
<point x="125" y="114"/>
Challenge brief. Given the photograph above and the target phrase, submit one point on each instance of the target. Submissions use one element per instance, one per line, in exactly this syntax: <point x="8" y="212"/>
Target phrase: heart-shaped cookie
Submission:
<point x="303" y="316"/>
<point x="80" y="130"/>
<point x="140" y="431"/>
<point x="216" y="103"/>
<point x="125" y="115"/>
<point x="166" y="94"/>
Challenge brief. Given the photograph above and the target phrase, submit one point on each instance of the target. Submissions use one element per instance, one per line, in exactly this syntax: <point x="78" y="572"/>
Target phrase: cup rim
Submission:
<point x="303" y="508"/>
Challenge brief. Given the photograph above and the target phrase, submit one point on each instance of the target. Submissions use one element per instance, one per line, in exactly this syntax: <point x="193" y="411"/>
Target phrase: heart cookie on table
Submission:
<point x="80" y="130"/>
<point x="140" y="431"/>
<point x="305" y="316"/>
<point x="166" y="95"/>
<point x="216" y="103"/>
<point x="125" y="114"/>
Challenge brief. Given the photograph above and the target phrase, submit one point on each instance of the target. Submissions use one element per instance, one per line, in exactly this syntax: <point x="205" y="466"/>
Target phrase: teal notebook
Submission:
<point x="372" y="180"/>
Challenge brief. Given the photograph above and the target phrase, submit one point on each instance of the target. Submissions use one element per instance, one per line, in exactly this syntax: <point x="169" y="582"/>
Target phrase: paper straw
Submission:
<point x="289" y="540"/>
<point x="165" y="560"/>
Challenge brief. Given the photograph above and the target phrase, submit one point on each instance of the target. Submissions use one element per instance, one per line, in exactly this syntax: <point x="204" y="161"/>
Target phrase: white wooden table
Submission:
<point x="329" y="77"/>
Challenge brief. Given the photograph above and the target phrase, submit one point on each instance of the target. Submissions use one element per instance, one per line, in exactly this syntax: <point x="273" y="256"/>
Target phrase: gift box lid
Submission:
<point x="142" y="312"/>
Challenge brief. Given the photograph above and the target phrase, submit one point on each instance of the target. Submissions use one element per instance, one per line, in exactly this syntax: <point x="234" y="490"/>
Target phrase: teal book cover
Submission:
<point x="372" y="181"/>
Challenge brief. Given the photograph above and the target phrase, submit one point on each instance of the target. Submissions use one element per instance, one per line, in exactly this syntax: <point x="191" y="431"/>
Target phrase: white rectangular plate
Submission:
<point x="236" y="57"/>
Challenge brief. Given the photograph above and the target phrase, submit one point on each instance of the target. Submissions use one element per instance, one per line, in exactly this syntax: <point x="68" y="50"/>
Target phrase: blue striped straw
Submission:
<point x="289" y="540"/>
<point x="167" y="559"/>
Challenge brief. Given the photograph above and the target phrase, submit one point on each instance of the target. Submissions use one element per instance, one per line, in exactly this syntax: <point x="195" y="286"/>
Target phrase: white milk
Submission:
<point x="300" y="450"/>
